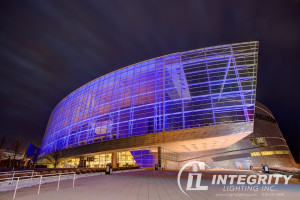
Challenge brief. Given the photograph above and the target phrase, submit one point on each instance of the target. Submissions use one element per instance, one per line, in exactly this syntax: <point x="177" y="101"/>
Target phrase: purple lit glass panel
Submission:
<point x="144" y="158"/>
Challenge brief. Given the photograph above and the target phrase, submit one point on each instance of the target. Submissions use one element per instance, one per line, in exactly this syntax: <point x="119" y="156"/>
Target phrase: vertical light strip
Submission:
<point x="239" y="85"/>
<point x="212" y="103"/>
<point x="163" y="94"/>
<point x="119" y="107"/>
<point x="181" y="82"/>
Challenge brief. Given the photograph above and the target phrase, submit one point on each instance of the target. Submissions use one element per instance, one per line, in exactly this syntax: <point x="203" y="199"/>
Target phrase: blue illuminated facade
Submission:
<point x="202" y="87"/>
<point x="144" y="158"/>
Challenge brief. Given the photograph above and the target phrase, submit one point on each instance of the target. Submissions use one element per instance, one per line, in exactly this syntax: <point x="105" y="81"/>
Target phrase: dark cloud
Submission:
<point x="50" y="48"/>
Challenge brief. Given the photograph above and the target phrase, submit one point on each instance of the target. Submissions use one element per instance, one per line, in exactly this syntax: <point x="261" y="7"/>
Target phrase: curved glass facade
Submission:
<point x="203" y="87"/>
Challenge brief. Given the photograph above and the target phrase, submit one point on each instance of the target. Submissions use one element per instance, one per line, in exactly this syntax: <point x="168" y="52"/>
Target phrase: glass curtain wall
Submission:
<point x="197" y="88"/>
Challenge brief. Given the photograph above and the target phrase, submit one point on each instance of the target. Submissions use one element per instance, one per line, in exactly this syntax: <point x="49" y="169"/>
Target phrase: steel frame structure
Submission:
<point x="202" y="87"/>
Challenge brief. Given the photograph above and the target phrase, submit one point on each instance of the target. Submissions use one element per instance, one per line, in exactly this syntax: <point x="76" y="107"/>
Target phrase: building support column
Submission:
<point x="114" y="159"/>
<point x="159" y="158"/>
<point x="82" y="162"/>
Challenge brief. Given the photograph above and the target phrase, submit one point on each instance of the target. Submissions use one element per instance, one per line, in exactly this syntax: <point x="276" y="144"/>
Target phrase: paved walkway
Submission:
<point x="156" y="185"/>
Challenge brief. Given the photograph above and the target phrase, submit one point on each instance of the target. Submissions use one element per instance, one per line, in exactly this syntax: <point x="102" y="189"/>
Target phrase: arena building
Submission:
<point x="193" y="105"/>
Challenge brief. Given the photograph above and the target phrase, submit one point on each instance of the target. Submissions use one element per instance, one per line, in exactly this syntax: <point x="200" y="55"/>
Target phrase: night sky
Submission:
<point x="50" y="48"/>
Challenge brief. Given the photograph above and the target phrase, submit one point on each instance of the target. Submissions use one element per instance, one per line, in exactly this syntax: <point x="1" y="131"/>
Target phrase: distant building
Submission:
<point x="31" y="155"/>
<point x="193" y="105"/>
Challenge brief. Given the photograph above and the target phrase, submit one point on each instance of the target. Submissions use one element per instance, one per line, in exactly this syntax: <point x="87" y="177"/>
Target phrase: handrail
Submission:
<point x="19" y="171"/>
<point x="41" y="179"/>
<point x="59" y="175"/>
<point x="36" y="176"/>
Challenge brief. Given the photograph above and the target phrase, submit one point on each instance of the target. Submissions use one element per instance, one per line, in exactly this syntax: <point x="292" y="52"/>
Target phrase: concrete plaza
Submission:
<point x="147" y="185"/>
